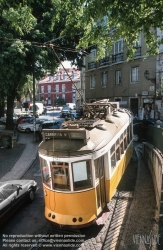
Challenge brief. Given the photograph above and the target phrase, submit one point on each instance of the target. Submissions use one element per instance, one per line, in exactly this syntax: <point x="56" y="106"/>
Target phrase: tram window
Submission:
<point x="82" y="175"/>
<point x="113" y="161"/>
<point x="99" y="168"/>
<point x="45" y="172"/>
<point x="60" y="175"/>
<point x="122" y="148"/>
<point x="128" y="134"/>
<point x="96" y="170"/>
<point x="117" y="143"/>
<point x="130" y="131"/>
<point x="112" y="149"/>
<point x="121" y="137"/>
<point x="118" y="154"/>
<point x="125" y="143"/>
<point x="121" y="144"/>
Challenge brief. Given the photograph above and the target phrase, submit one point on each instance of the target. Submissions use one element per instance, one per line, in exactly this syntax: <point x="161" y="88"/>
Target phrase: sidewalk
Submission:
<point x="26" y="159"/>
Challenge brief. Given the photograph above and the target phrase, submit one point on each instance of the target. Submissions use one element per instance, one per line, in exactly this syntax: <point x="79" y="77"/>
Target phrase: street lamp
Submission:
<point x="153" y="80"/>
<point x="147" y="74"/>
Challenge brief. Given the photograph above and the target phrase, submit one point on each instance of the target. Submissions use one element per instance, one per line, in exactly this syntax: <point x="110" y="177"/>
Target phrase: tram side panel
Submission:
<point x="112" y="183"/>
<point x="70" y="208"/>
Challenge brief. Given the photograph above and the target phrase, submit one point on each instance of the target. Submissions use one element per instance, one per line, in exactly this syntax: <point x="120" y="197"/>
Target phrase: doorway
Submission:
<point x="134" y="105"/>
<point x="100" y="184"/>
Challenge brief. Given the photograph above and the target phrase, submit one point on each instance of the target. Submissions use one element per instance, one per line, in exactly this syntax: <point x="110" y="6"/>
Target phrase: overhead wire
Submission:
<point x="43" y="45"/>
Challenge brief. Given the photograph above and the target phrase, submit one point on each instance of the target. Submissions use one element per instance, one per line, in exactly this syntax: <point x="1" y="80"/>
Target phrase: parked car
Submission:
<point x="15" y="118"/>
<point x="65" y="112"/>
<point x="51" y="124"/>
<point x="48" y="108"/>
<point x="71" y="105"/>
<point x="28" y="127"/>
<point x="73" y="115"/>
<point x="13" y="194"/>
<point x="39" y="108"/>
<point x="55" y="124"/>
<point x="24" y="119"/>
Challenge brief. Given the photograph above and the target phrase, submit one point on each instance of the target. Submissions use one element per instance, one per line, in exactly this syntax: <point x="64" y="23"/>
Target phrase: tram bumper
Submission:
<point x="74" y="221"/>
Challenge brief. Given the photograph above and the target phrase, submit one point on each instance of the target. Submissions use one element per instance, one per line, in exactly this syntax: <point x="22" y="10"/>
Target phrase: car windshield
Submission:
<point x="8" y="189"/>
<point x="66" y="108"/>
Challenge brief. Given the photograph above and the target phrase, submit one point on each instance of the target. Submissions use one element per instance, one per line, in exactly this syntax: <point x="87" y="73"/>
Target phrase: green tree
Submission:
<point x="97" y="20"/>
<point x="26" y="91"/>
<point x="25" y="49"/>
<point x="59" y="101"/>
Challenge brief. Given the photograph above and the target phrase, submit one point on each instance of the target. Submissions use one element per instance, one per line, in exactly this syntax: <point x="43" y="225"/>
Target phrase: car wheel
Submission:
<point x="31" y="195"/>
<point x="27" y="130"/>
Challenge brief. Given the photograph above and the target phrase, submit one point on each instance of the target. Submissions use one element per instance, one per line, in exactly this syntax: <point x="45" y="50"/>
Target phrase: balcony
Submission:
<point x="117" y="58"/>
<point x="137" y="52"/>
<point x="104" y="61"/>
<point x="92" y="65"/>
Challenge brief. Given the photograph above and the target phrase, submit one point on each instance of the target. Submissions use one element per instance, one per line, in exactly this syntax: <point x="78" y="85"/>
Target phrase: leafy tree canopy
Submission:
<point x="99" y="18"/>
<point x="26" y="30"/>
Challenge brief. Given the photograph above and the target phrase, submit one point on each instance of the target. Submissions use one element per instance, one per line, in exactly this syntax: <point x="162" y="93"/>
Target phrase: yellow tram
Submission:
<point x="83" y="162"/>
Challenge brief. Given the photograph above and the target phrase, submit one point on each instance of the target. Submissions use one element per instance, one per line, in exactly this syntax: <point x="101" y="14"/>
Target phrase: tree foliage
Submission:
<point x="129" y="17"/>
<point x="26" y="31"/>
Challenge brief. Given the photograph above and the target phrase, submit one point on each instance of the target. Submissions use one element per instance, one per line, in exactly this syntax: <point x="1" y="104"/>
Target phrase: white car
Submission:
<point x="28" y="127"/>
<point x="48" y="108"/>
<point x="3" y="119"/>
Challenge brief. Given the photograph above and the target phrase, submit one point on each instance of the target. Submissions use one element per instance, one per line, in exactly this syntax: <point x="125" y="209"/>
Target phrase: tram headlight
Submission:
<point x="80" y="219"/>
<point x="49" y="214"/>
<point x="74" y="219"/>
<point x="53" y="216"/>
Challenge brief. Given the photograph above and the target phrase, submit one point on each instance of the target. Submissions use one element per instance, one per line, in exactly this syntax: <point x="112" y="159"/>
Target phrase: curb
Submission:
<point x="122" y="242"/>
<point x="28" y="167"/>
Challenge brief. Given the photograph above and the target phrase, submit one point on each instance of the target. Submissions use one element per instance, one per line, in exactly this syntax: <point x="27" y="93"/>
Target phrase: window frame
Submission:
<point x="104" y="79"/>
<point x="92" y="82"/>
<point x="62" y="165"/>
<point x="42" y="89"/>
<point x="49" y="88"/>
<point x="119" y="45"/>
<point x="118" y="78"/>
<point x="44" y="164"/>
<point x="136" y="73"/>
<point x="91" y="176"/>
<point x="57" y="88"/>
<point x="92" y="55"/>
<point x="63" y="87"/>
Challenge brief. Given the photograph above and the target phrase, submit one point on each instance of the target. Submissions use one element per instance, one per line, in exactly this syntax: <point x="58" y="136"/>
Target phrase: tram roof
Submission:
<point x="75" y="141"/>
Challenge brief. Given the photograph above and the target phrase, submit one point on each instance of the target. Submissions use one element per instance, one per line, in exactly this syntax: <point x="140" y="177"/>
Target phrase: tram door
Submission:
<point x="100" y="184"/>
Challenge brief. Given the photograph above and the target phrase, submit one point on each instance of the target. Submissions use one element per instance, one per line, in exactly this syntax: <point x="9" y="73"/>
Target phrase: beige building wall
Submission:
<point x="132" y="95"/>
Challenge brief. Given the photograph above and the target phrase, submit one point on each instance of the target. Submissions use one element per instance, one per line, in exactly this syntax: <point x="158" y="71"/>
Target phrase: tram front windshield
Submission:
<point x="59" y="177"/>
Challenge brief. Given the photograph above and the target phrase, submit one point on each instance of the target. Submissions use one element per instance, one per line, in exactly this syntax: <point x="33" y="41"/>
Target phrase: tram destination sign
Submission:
<point x="80" y="134"/>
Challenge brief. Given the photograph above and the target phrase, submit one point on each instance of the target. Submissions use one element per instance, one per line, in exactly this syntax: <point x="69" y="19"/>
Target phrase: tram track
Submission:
<point x="114" y="234"/>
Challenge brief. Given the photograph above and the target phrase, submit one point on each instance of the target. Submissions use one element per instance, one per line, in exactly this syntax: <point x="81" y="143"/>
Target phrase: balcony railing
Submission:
<point x="92" y="65"/>
<point x="104" y="61"/>
<point x="117" y="57"/>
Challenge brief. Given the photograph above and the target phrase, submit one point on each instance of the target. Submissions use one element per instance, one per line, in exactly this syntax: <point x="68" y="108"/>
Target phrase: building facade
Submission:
<point x="59" y="87"/>
<point x="117" y="79"/>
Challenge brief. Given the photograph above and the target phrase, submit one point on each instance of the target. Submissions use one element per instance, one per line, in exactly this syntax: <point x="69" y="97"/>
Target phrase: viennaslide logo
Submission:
<point x="143" y="239"/>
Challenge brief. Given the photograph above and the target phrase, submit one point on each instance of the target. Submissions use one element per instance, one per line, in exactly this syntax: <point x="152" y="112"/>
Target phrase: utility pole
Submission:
<point x="34" y="106"/>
